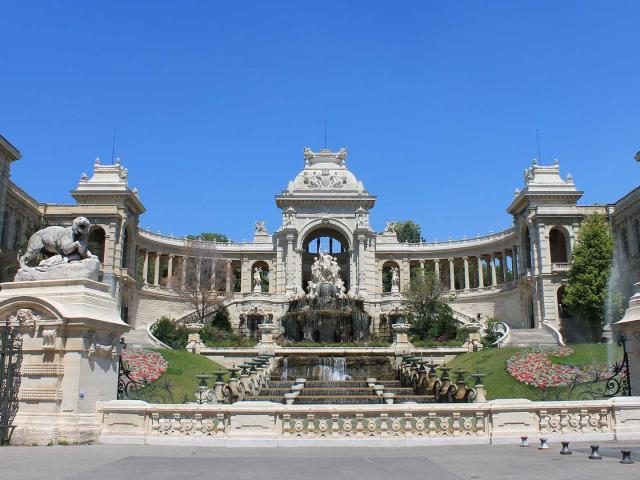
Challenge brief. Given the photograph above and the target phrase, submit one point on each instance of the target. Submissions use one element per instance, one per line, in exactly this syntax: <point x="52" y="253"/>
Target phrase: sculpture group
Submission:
<point x="67" y="252"/>
<point x="325" y="269"/>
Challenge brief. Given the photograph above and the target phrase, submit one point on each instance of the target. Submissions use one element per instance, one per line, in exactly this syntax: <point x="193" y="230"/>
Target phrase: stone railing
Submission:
<point x="507" y="232"/>
<point x="265" y="423"/>
<point x="560" y="267"/>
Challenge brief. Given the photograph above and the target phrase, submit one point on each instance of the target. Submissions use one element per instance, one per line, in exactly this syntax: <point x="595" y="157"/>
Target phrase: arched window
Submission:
<point x="96" y="242"/>
<point x="558" y="246"/>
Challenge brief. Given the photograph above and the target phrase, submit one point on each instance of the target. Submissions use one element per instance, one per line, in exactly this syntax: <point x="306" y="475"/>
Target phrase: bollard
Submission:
<point x="594" y="453"/>
<point x="565" y="449"/>
<point x="543" y="444"/>
<point x="626" y="457"/>
<point x="525" y="442"/>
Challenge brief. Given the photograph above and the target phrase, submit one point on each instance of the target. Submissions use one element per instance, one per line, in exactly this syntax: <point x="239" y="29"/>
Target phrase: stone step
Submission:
<point x="528" y="337"/>
<point x="139" y="338"/>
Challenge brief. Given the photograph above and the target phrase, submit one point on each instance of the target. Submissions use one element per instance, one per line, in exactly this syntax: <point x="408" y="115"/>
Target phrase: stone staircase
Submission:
<point x="521" y="337"/>
<point x="339" y="392"/>
<point x="140" y="338"/>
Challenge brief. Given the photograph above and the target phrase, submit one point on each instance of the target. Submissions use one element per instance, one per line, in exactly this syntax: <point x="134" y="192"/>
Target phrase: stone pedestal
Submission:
<point x="267" y="343"/>
<point x="70" y="332"/>
<point x="629" y="325"/>
<point x="401" y="343"/>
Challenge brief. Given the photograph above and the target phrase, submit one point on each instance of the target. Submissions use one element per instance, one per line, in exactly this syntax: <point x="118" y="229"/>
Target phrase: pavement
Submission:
<point x="109" y="462"/>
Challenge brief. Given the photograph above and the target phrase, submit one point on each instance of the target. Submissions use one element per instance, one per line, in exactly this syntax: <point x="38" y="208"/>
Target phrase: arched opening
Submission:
<point x="124" y="261"/>
<point x="260" y="277"/>
<point x="558" y="246"/>
<point x="527" y="260"/>
<point x="563" y="311"/>
<point x="325" y="240"/>
<point x="96" y="242"/>
<point x="387" y="276"/>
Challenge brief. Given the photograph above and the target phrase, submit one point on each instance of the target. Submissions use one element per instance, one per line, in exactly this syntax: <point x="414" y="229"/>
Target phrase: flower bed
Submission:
<point x="533" y="367"/>
<point x="145" y="366"/>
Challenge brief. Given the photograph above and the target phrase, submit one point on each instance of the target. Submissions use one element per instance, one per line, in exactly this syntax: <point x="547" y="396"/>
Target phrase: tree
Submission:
<point x="210" y="237"/>
<point x="203" y="289"/>
<point x="427" y="305"/>
<point x="408" y="231"/>
<point x="589" y="274"/>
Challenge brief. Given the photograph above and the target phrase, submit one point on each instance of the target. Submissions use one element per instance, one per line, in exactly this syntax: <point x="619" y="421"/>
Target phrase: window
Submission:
<point x="625" y="240"/>
<point x="636" y="227"/>
<point x="558" y="246"/>
<point x="16" y="235"/>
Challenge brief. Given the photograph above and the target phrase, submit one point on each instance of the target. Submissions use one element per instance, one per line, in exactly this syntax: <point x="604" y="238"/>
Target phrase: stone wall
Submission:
<point x="148" y="306"/>
<point x="504" y="305"/>
<point x="270" y="424"/>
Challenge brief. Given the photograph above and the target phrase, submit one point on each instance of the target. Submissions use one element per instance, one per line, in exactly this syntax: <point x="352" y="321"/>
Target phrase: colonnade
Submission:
<point x="462" y="273"/>
<point x="176" y="271"/>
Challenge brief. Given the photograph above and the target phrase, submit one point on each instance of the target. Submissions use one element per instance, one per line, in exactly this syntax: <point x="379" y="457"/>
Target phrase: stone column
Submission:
<point x="480" y="272"/>
<point x="436" y="267"/>
<point x="494" y="279"/>
<point x="514" y="262"/>
<point x="156" y="273"/>
<point x="421" y="268"/>
<point x="145" y="268"/>
<point x="289" y="262"/>
<point x="504" y="266"/>
<point x="361" y="281"/>
<point x="452" y="275"/>
<point x="170" y="272"/>
<point x="466" y="272"/>
<point x="228" y="276"/>
<point x="183" y="272"/>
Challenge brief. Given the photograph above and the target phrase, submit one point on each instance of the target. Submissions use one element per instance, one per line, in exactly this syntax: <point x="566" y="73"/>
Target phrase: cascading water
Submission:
<point x="330" y="369"/>
<point x="614" y="307"/>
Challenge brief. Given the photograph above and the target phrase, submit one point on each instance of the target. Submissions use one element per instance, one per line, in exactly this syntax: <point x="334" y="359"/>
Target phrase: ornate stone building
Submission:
<point x="516" y="274"/>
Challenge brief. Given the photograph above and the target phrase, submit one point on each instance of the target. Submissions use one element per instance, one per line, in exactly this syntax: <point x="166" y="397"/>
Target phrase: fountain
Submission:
<point x="326" y="313"/>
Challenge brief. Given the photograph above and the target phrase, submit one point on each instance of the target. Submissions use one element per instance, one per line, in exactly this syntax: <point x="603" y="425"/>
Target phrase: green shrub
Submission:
<point x="166" y="331"/>
<point x="220" y="319"/>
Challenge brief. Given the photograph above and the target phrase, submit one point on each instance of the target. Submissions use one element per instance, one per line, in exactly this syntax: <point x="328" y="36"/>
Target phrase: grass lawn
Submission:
<point x="183" y="367"/>
<point x="499" y="384"/>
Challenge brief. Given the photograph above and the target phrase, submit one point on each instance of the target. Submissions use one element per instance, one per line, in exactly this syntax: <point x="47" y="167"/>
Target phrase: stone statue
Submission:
<point x="260" y="228"/>
<point x="70" y="256"/>
<point x="395" y="279"/>
<point x="288" y="216"/>
<point x="390" y="227"/>
<point x="257" y="279"/>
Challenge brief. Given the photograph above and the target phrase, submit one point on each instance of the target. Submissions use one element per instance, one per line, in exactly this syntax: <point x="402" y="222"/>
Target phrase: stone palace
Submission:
<point x="516" y="275"/>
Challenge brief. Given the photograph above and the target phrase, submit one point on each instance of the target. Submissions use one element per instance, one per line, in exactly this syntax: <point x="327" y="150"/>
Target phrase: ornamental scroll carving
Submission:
<point x="384" y="425"/>
<point x="324" y="180"/>
<point x="108" y="349"/>
<point x="24" y="317"/>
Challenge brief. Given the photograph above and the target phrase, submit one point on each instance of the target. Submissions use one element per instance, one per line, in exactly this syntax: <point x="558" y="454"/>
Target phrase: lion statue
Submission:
<point x="67" y="244"/>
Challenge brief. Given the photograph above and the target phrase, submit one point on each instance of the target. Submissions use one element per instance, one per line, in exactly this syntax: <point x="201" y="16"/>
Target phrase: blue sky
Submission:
<point x="437" y="102"/>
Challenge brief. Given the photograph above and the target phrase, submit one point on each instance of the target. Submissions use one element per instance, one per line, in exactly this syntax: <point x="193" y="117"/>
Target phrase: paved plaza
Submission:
<point x="99" y="462"/>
